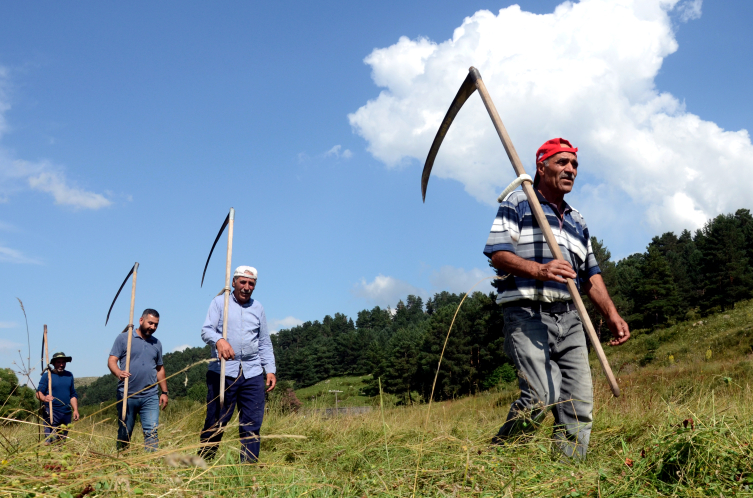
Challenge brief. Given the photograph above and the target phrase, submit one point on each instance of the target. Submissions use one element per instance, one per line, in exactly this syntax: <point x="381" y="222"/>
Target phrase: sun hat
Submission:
<point x="61" y="356"/>
<point x="246" y="271"/>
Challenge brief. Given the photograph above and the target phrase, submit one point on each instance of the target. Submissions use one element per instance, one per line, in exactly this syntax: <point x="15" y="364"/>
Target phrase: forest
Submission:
<point x="676" y="278"/>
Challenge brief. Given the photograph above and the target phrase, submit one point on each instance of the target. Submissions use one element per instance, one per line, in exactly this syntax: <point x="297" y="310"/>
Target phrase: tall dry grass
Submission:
<point x="680" y="428"/>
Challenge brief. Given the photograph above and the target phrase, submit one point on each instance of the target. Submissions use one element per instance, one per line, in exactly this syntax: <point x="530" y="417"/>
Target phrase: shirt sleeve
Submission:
<point x="590" y="264"/>
<point x="118" y="349"/>
<point x="43" y="384"/>
<point x="159" y="353"/>
<point x="74" y="394"/>
<point x="210" y="331"/>
<point x="505" y="231"/>
<point x="266" y="354"/>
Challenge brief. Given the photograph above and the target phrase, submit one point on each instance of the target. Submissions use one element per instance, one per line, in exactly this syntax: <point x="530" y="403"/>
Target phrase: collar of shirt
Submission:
<point x="150" y="340"/>
<point x="244" y="305"/>
<point x="556" y="209"/>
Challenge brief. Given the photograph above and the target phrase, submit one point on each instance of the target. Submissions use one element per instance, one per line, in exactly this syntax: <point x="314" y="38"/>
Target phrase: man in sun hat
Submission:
<point x="544" y="335"/>
<point x="64" y="398"/>
<point x="248" y="355"/>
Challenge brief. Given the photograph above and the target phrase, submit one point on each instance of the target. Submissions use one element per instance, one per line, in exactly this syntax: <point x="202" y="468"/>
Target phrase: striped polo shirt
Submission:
<point x="515" y="229"/>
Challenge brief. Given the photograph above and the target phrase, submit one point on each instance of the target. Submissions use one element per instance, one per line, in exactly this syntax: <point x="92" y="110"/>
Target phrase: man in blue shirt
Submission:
<point x="146" y="371"/>
<point x="63" y="397"/>
<point x="544" y="335"/>
<point x="248" y="353"/>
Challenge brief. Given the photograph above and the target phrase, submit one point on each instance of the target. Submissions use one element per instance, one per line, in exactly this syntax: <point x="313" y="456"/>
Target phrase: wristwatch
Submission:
<point x="165" y="393"/>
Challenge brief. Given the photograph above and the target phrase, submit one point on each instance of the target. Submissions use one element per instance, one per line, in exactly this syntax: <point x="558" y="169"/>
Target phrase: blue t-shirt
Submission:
<point x="146" y="356"/>
<point x="62" y="390"/>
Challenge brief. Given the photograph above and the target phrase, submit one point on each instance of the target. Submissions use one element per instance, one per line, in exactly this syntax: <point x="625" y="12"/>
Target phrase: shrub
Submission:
<point x="16" y="401"/>
<point x="502" y="374"/>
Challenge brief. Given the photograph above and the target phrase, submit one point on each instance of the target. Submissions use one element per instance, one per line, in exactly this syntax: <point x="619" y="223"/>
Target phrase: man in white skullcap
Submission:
<point x="248" y="355"/>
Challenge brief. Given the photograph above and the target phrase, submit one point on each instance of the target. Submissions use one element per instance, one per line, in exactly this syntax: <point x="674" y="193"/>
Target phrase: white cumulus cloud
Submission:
<point x="181" y="348"/>
<point x="459" y="281"/>
<point x="585" y="72"/>
<point x="7" y="325"/>
<point x="9" y="255"/>
<point x="9" y="346"/>
<point x="337" y="152"/>
<point x="17" y="175"/>
<point x="286" y="323"/>
<point x="55" y="183"/>
<point x="386" y="291"/>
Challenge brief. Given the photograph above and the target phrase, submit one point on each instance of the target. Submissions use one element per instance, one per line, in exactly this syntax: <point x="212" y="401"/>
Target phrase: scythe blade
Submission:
<point x="222" y="229"/>
<point x="466" y="90"/>
<point x="116" y="295"/>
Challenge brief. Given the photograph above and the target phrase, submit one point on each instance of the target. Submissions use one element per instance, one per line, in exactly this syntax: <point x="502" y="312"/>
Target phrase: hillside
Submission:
<point x="84" y="381"/>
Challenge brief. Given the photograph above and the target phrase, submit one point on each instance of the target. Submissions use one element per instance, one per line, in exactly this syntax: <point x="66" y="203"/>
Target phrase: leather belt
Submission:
<point x="542" y="307"/>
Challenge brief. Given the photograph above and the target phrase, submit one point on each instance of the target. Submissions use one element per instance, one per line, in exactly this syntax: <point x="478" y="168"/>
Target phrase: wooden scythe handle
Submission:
<point x="227" y="302"/>
<point x="49" y="372"/>
<point x="544" y="225"/>
<point x="130" y="337"/>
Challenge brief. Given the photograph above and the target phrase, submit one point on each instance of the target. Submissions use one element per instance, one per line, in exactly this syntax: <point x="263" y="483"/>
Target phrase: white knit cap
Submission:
<point x="246" y="271"/>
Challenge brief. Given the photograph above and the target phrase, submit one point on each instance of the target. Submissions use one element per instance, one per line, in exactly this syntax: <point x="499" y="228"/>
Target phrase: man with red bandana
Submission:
<point x="544" y="335"/>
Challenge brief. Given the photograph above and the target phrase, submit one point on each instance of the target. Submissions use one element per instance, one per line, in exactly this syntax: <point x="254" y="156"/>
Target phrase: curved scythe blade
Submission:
<point x="222" y="229"/>
<point x="466" y="90"/>
<point x="116" y="295"/>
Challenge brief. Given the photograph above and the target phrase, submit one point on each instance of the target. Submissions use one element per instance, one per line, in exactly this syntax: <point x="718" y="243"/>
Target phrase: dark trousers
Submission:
<point x="248" y="394"/>
<point x="52" y="432"/>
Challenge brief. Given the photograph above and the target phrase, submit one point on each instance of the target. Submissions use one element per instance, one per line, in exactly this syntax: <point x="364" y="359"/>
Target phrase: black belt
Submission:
<point x="542" y="307"/>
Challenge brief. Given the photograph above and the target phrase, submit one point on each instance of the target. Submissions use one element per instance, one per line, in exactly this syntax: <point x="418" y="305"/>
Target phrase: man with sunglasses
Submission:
<point x="544" y="335"/>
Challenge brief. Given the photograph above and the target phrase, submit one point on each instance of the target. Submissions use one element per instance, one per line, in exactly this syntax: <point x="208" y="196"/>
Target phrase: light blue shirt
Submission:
<point x="247" y="334"/>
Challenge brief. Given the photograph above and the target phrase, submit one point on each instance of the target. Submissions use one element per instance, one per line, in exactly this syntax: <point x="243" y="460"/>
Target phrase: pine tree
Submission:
<point x="657" y="296"/>
<point x="727" y="275"/>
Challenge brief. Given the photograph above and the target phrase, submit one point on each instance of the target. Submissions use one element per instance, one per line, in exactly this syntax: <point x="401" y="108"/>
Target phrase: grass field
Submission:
<point x="319" y="395"/>
<point x="682" y="427"/>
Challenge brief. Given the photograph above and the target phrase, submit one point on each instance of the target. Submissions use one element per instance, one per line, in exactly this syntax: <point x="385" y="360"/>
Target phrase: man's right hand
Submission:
<point x="556" y="270"/>
<point x="47" y="398"/>
<point x="225" y="350"/>
<point x="122" y="374"/>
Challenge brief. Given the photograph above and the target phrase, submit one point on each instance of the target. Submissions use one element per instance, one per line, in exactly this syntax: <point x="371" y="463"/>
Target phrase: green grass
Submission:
<point x="318" y="395"/>
<point x="643" y="443"/>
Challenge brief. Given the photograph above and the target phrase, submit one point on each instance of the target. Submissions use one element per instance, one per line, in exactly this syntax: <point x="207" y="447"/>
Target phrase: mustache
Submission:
<point x="567" y="176"/>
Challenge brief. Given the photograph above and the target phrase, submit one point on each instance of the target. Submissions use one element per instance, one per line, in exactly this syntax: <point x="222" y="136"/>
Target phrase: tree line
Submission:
<point x="677" y="277"/>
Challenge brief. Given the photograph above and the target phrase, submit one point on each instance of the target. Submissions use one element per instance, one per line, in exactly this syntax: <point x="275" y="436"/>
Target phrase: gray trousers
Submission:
<point x="550" y="353"/>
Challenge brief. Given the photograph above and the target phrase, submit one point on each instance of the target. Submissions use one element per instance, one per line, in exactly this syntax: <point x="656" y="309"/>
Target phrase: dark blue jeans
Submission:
<point x="51" y="432"/>
<point x="147" y="408"/>
<point x="248" y="394"/>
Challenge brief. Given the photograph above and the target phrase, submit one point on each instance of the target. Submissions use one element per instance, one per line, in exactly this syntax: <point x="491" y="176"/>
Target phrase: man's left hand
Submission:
<point x="75" y="415"/>
<point x="163" y="401"/>
<point x="620" y="330"/>
<point x="271" y="382"/>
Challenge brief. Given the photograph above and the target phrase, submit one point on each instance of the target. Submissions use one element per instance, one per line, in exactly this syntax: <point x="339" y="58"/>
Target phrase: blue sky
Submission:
<point x="128" y="131"/>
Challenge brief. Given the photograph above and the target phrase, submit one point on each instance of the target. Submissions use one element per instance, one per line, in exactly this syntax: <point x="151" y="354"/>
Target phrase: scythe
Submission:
<point x="134" y="271"/>
<point x="229" y="221"/>
<point x="472" y="83"/>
